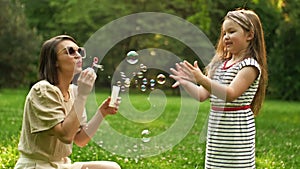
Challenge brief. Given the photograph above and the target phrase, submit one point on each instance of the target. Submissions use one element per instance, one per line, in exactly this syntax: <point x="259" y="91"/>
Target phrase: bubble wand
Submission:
<point x="115" y="89"/>
<point x="95" y="63"/>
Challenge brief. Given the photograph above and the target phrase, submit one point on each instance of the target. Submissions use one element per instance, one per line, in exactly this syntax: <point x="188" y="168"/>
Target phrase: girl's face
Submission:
<point x="235" y="39"/>
<point x="68" y="62"/>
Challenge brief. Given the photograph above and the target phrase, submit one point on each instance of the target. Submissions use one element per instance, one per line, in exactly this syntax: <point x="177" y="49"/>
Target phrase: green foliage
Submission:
<point x="216" y="12"/>
<point x="200" y="16"/>
<point x="284" y="60"/>
<point x="81" y="19"/>
<point x="18" y="46"/>
<point x="9" y="153"/>
<point x="277" y="136"/>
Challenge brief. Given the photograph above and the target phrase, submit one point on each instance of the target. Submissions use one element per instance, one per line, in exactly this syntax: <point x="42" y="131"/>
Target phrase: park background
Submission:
<point x="25" y="24"/>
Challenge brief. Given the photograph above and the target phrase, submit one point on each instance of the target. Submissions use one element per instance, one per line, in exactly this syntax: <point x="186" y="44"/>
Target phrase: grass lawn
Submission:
<point x="277" y="137"/>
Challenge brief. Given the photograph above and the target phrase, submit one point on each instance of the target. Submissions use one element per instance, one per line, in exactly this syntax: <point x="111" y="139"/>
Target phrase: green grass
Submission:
<point x="277" y="138"/>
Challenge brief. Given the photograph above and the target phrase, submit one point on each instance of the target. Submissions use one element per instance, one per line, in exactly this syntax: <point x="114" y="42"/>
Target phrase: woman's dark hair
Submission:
<point x="48" y="58"/>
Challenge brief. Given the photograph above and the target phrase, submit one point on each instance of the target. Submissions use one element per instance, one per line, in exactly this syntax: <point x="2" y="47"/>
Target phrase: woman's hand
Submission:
<point x="106" y="110"/>
<point x="86" y="81"/>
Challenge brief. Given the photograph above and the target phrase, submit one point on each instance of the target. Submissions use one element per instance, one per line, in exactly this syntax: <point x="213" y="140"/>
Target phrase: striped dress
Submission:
<point x="231" y="127"/>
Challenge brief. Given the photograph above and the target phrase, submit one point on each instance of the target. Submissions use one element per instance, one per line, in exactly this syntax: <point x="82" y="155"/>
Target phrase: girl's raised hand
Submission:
<point x="193" y="71"/>
<point x="177" y="75"/>
<point x="181" y="74"/>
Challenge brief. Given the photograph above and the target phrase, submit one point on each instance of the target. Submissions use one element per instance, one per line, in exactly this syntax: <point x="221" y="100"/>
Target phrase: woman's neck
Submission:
<point x="64" y="83"/>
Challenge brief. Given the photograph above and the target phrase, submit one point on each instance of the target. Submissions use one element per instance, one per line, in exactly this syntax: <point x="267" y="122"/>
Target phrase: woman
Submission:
<point x="54" y="114"/>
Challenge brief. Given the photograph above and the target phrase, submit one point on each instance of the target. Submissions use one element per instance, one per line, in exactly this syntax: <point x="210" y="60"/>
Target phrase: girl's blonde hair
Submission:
<point x="250" y="22"/>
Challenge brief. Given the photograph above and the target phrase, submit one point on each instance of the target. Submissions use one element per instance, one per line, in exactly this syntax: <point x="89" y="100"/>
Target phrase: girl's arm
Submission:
<point x="237" y="87"/>
<point x="186" y="81"/>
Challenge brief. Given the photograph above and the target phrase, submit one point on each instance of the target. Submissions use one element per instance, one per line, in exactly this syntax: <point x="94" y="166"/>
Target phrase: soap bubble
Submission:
<point x="143" y="87"/>
<point x="119" y="83"/>
<point x="146" y="136"/>
<point x="143" y="68"/>
<point x="123" y="89"/>
<point x="152" y="82"/>
<point x="127" y="82"/>
<point x="132" y="57"/>
<point x="122" y="75"/>
<point x="161" y="79"/>
<point x="145" y="81"/>
<point x="140" y="75"/>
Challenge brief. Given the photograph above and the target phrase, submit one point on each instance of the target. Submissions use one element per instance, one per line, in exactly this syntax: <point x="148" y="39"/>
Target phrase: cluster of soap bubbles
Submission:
<point x="138" y="79"/>
<point x="144" y="78"/>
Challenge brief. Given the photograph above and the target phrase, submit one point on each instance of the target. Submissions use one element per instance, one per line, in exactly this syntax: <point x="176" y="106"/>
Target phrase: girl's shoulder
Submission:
<point x="249" y="62"/>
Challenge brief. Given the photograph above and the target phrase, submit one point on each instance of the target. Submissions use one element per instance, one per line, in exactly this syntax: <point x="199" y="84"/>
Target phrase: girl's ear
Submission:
<point x="250" y="35"/>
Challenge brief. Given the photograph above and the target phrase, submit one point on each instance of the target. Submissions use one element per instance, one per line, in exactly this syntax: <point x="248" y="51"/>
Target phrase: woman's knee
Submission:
<point x="115" y="165"/>
<point x="100" y="165"/>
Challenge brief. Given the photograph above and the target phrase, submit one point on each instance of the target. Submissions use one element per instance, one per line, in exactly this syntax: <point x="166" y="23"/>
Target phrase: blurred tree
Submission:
<point x="19" y="46"/>
<point x="284" y="60"/>
<point x="77" y="18"/>
<point x="81" y="19"/>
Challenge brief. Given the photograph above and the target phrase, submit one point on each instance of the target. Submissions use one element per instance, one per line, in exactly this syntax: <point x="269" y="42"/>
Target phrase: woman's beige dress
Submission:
<point x="44" y="108"/>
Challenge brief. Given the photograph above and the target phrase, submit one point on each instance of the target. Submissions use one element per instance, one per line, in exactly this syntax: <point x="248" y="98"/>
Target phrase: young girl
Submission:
<point x="235" y="83"/>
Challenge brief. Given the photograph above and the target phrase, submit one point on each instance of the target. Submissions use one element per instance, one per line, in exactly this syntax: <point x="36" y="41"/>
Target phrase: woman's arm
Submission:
<point x="67" y="129"/>
<point x="89" y="130"/>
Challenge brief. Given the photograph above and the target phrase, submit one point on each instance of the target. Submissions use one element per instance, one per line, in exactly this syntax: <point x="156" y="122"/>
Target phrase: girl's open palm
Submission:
<point x="193" y="71"/>
<point x="179" y="75"/>
<point x="185" y="72"/>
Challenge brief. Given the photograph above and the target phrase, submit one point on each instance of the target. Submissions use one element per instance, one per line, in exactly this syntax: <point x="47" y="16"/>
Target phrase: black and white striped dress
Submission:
<point x="231" y="127"/>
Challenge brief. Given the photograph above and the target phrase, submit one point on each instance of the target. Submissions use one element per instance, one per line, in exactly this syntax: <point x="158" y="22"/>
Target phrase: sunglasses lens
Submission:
<point x="71" y="50"/>
<point x="81" y="51"/>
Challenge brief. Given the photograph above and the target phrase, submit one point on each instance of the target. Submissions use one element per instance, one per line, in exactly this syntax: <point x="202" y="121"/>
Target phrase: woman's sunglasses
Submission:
<point x="72" y="51"/>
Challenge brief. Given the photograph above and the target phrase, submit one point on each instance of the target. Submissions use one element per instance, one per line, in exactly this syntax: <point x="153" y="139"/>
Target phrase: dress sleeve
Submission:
<point x="251" y="62"/>
<point x="45" y="107"/>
